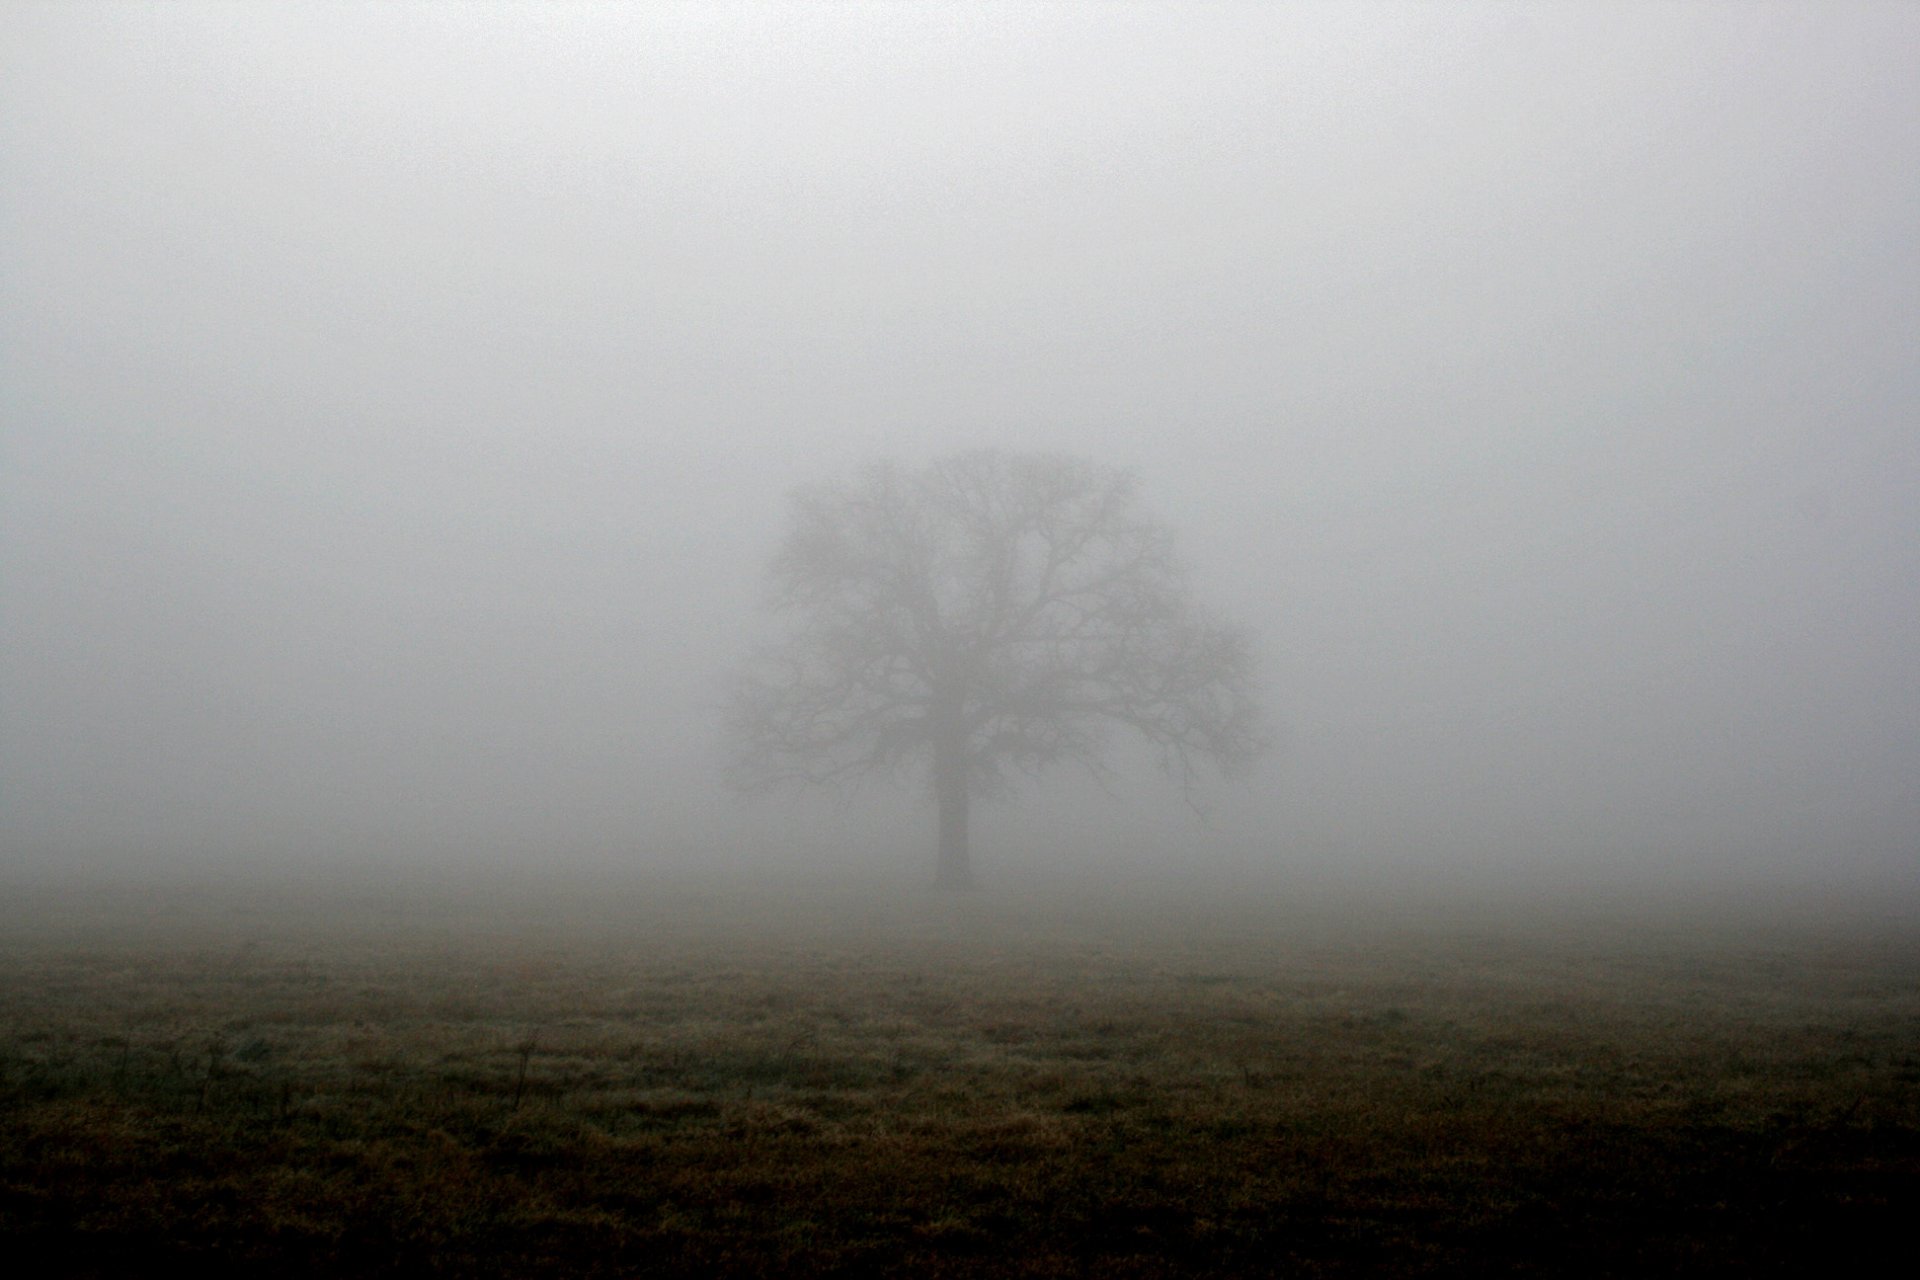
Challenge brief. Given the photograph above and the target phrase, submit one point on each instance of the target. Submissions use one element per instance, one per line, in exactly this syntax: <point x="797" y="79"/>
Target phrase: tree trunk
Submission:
<point x="954" y="868"/>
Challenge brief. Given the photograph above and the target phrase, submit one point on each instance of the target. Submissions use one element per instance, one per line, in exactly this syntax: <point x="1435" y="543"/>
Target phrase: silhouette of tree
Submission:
<point x="988" y="616"/>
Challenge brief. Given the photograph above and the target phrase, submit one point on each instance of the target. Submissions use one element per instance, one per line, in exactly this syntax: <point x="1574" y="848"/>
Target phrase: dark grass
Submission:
<point x="762" y="1083"/>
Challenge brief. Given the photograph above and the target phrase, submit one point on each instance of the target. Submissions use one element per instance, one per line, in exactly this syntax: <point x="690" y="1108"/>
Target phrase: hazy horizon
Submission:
<point x="398" y="406"/>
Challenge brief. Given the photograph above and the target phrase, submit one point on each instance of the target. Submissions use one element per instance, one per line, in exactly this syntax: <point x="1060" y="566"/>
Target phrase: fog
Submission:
<point x="398" y="406"/>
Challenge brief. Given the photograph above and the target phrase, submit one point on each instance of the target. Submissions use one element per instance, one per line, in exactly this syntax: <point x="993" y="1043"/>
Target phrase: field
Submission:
<point x="757" y="1081"/>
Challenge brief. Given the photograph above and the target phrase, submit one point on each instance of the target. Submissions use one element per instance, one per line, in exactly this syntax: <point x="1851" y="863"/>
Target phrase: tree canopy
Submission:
<point x="990" y="615"/>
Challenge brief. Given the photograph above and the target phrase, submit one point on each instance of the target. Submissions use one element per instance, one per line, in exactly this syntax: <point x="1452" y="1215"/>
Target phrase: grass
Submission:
<point x="741" y="1083"/>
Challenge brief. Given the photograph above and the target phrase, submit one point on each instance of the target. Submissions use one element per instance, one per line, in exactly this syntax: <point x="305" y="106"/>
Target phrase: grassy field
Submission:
<point x="759" y="1082"/>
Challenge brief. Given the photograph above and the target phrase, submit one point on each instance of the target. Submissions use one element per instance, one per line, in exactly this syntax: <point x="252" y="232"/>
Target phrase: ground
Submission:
<point x="689" y="1080"/>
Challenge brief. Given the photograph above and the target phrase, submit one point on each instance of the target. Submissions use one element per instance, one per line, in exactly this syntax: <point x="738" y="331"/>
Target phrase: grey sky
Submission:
<point x="396" y="405"/>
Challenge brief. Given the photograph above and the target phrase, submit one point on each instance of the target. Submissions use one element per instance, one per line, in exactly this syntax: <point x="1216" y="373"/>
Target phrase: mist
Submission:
<point x="399" y="404"/>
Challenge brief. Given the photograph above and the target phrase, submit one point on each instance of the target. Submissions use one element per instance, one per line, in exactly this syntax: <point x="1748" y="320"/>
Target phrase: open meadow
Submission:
<point x="756" y="1081"/>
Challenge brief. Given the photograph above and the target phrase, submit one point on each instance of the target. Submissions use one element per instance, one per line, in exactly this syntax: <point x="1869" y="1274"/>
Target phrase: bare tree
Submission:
<point x="990" y="615"/>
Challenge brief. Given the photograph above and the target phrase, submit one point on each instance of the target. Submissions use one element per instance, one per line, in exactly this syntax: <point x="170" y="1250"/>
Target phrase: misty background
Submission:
<point x="398" y="404"/>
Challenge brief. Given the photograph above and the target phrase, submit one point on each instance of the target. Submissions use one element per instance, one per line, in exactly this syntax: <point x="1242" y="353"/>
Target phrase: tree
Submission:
<point x="988" y="616"/>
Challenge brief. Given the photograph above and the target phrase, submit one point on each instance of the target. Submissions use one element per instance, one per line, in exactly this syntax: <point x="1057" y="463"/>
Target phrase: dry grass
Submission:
<point x="735" y="1084"/>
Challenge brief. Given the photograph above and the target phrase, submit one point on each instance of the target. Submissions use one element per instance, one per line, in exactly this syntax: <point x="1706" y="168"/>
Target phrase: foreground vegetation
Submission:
<point x="750" y="1084"/>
